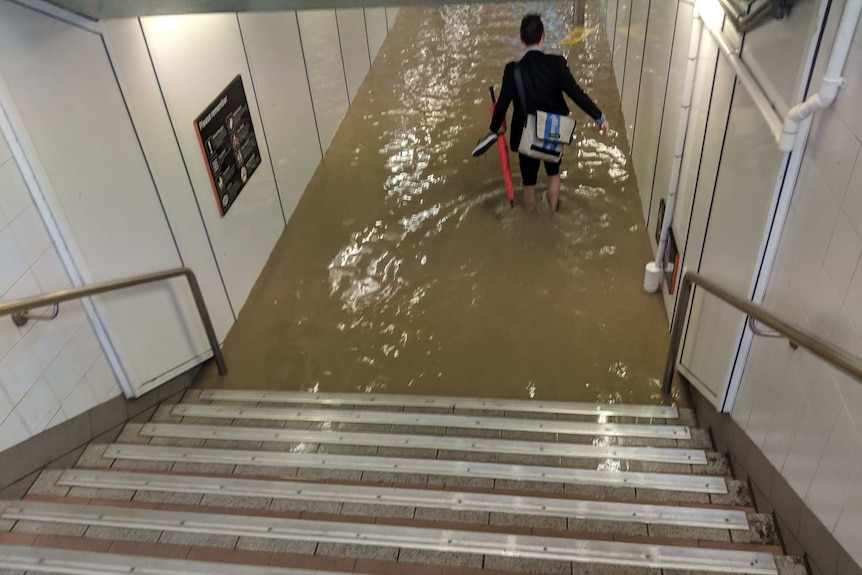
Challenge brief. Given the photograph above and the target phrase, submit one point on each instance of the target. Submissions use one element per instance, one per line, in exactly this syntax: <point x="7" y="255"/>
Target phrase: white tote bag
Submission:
<point x="545" y="134"/>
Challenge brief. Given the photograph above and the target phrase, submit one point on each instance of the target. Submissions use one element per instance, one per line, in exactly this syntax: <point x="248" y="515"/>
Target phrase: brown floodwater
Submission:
<point x="403" y="268"/>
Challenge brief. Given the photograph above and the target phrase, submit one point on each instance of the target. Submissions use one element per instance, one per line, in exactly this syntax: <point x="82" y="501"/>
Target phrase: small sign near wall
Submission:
<point x="228" y="143"/>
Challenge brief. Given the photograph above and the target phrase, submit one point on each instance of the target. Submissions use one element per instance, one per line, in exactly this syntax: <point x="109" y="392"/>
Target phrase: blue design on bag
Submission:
<point x="552" y="126"/>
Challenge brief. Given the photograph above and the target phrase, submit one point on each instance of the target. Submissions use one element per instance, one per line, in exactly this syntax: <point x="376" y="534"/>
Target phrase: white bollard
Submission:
<point x="652" y="277"/>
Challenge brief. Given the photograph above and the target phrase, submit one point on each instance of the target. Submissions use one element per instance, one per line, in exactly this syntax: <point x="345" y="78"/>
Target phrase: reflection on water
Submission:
<point x="404" y="268"/>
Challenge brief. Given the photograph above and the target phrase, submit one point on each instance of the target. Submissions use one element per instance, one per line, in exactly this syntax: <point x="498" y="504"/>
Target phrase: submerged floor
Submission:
<point x="403" y="269"/>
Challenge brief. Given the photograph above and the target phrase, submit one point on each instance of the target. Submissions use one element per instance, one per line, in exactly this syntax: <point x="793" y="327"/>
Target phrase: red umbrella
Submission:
<point x="503" y="152"/>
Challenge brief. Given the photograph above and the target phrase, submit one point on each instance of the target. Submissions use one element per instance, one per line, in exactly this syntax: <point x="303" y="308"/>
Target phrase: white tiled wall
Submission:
<point x="807" y="418"/>
<point x="813" y="433"/>
<point x="50" y="371"/>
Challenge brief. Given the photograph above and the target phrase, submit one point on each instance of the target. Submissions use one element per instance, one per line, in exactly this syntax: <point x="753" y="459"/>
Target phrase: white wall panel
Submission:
<point x="764" y="355"/>
<point x="852" y="91"/>
<point x="739" y="215"/>
<point x="5" y="154"/>
<point x="654" y="79"/>
<point x="76" y="128"/>
<point x="131" y="59"/>
<point x="713" y="88"/>
<point x="851" y="205"/>
<point x="213" y="55"/>
<point x="354" y="47"/>
<point x="611" y="23"/>
<point x="275" y="57"/>
<point x="832" y="149"/>
<point x="320" y="41"/>
<point x="836" y="471"/>
<point x="639" y="22"/>
<point x="375" y="22"/>
<point x="701" y="167"/>
<point x="621" y="39"/>
<point x="817" y="209"/>
<point x="812" y="433"/>
<point x="670" y="123"/>
<point x="842" y="255"/>
<point x="12" y="431"/>
<point x="789" y="401"/>
<point x="391" y="16"/>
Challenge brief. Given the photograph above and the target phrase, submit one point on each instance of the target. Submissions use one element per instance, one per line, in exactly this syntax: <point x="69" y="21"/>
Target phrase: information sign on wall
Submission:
<point x="229" y="145"/>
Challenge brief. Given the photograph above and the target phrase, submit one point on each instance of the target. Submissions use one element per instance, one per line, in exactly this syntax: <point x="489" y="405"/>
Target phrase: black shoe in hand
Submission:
<point x="484" y="143"/>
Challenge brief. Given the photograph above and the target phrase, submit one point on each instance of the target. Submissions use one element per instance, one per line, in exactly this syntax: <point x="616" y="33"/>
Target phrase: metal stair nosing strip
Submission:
<point x="433" y="420"/>
<point x="448" y="443"/>
<point x="429" y="498"/>
<point x="48" y="560"/>
<point x="393" y="400"/>
<point x="662" y="481"/>
<point x="398" y="536"/>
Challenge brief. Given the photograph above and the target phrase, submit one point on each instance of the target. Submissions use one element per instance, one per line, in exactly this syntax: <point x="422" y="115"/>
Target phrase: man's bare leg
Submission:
<point x="530" y="198"/>
<point x="554" y="192"/>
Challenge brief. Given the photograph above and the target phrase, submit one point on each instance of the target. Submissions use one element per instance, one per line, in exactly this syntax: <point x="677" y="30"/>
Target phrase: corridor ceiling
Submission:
<point x="99" y="9"/>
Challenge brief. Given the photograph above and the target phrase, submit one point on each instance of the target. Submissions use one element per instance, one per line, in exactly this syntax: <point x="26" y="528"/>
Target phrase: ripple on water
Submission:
<point x="438" y="275"/>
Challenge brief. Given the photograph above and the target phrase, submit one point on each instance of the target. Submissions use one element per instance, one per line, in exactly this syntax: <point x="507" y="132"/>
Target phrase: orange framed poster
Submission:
<point x="229" y="145"/>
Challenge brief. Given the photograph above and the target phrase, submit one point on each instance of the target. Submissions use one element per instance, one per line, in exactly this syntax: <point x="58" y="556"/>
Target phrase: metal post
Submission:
<point x="676" y="333"/>
<point x="205" y="318"/>
<point x="580" y="13"/>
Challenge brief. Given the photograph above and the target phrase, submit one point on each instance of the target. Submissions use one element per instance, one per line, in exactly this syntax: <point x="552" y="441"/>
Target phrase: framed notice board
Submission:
<point x="228" y="143"/>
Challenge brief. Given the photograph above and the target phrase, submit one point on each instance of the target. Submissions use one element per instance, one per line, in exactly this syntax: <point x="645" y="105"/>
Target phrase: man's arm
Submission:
<point x="579" y="97"/>
<point x="507" y="91"/>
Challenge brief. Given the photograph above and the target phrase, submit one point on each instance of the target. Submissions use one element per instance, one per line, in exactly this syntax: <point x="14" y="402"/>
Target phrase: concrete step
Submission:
<point x="209" y="461"/>
<point x="406" y="421"/>
<point x="439" y="404"/>
<point x="434" y="544"/>
<point x="475" y="505"/>
<point x="42" y="554"/>
<point x="385" y="484"/>
<point x="143" y="559"/>
<point x="357" y="466"/>
<point x="389" y="500"/>
<point x="294" y="437"/>
<point x="699" y="438"/>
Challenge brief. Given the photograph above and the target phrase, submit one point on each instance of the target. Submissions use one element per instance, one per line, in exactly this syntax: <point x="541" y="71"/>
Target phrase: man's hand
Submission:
<point x="502" y="129"/>
<point x="604" y="127"/>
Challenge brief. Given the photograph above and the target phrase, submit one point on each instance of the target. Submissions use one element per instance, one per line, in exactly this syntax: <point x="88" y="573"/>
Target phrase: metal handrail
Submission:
<point x="840" y="358"/>
<point x="99" y="288"/>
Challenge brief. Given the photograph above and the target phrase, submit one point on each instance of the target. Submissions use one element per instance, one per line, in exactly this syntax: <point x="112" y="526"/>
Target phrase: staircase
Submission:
<point x="237" y="482"/>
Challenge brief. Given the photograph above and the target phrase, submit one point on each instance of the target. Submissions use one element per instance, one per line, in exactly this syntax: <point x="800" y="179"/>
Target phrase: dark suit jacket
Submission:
<point x="546" y="77"/>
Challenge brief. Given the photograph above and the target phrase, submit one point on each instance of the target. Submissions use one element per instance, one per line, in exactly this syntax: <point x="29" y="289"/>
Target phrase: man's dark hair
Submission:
<point x="532" y="29"/>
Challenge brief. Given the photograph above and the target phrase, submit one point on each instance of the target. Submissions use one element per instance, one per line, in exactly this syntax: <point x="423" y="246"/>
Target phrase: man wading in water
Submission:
<point x="546" y="78"/>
